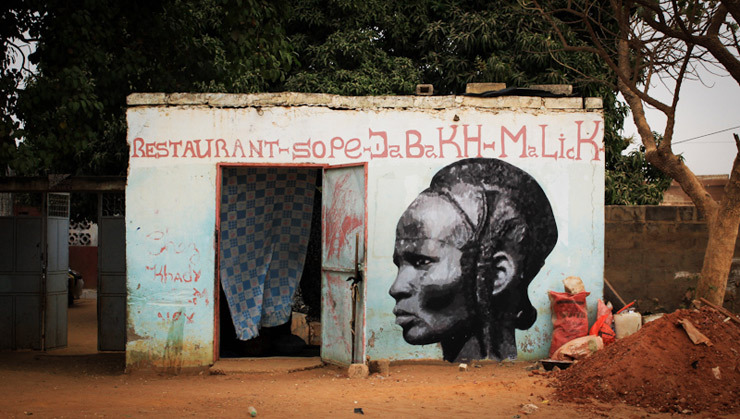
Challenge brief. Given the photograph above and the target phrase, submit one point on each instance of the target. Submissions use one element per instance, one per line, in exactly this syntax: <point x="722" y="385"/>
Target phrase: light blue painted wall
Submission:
<point x="170" y="259"/>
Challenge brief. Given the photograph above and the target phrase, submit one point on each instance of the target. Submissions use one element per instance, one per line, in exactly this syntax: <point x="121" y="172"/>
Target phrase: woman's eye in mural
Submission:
<point x="418" y="260"/>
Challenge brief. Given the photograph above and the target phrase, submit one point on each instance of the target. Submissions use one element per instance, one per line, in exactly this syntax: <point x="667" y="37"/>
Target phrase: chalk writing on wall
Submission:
<point x="163" y="276"/>
<point x="185" y="255"/>
<point x="202" y="295"/>
<point x="453" y="141"/>
<point x="176" y="262"/>
<point x="175" y="316"/>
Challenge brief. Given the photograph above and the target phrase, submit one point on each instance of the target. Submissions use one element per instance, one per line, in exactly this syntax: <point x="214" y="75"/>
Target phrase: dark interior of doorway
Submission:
<point x="279" y="341"/>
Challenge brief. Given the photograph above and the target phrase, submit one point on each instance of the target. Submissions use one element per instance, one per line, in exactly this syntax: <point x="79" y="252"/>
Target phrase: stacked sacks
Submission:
<point x="571" y="339"/>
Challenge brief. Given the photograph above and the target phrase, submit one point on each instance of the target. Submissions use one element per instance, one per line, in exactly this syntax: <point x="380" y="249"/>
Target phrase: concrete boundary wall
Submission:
<point x="654" y="254"/>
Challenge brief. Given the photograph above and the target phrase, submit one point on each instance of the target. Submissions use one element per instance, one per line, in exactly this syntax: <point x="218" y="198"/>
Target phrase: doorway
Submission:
<point x="33" y="271"/>
<point x="38" y="290"/>
<point x="269" y="261"/>
<point x="97" y="255"/>
<point x="263" y="214"/>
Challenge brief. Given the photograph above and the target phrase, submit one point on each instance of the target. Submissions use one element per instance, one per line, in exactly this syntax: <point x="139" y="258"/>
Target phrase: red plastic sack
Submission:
<point x="569" y="317"/>
<point x="603" y="324"/>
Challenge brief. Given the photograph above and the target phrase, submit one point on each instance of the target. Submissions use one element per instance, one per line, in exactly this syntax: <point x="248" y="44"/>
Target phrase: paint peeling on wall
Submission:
<point x="173" y="347"/>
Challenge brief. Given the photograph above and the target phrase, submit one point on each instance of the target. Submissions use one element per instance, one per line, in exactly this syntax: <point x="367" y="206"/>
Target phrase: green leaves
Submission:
<point x="630" y="178"/>
<point x="445" y="43"/>
<point x="92" y="55"/>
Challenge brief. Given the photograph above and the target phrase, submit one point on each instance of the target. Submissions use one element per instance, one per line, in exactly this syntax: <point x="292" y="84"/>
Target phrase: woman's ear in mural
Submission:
<point x="505" y="272"/>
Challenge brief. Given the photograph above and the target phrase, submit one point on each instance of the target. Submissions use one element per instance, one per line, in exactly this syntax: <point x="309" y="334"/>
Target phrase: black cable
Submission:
<point x="706" y="135"/>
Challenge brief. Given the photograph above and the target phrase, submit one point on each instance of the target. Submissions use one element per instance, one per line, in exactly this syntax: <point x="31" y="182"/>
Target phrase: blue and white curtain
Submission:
<point x="265" y="226"/>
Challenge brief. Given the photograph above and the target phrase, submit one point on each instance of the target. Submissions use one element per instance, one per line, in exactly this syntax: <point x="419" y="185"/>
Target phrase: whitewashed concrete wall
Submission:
<point x="176" y="142"/>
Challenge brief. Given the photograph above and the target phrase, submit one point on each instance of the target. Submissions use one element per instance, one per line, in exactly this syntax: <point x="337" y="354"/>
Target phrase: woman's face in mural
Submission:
<point x="429" y="289"/>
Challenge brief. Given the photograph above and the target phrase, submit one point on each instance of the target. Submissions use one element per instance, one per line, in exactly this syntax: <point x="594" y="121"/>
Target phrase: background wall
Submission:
<point x="84" y="259"/>
<point x="654" y="255"/>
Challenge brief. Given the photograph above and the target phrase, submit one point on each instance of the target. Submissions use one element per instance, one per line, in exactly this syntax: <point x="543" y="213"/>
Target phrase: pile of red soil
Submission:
<point x="659" y="368"/>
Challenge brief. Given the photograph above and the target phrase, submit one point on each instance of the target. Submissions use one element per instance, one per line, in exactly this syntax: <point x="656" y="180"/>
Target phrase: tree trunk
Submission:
<point x="722" y="218"/>
<point x="718" y="257"/>
<point x="723" y="230"/>
<point x="662" y="50"/>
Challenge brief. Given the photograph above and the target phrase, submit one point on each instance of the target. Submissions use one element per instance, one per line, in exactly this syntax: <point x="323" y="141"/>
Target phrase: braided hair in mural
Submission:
<point x="466" y="250"/>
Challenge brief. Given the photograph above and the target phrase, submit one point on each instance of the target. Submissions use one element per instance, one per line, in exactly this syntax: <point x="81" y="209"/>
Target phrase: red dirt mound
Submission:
<point x="661" y="369"/>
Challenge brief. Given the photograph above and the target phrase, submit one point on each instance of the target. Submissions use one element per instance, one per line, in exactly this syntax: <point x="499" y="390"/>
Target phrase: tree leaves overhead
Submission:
<point x="381" y="47"/>
<point x="446" y="43"/>
<point x="94" y="53"/>
<point x="16" y="22"/>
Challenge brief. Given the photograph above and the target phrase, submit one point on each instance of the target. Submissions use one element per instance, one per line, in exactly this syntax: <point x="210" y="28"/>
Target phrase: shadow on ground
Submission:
<point x="72" y="365"/>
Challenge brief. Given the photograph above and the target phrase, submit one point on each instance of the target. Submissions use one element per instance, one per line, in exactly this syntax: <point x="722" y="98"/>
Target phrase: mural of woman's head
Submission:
<point x="466" y="250"/>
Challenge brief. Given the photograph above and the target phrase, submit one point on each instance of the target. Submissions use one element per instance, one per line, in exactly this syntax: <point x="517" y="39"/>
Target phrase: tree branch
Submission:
<point x="733" y="7"/>
<point x="671" y="118"/>
<point x="710" y="40"/>
<point x="623" y="72"/>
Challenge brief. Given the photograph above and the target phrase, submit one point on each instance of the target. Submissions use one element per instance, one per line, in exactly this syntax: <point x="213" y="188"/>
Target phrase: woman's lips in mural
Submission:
<point x="404" y="318"/>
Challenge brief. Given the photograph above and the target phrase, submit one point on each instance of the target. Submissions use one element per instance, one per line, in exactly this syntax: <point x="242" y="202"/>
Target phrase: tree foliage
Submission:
<point x="665" y="41"/>
<point x="382" y="47"/>
<point x="16" y="21"/>
<point x="94" y="53"/>
<point x="630" y="178"/>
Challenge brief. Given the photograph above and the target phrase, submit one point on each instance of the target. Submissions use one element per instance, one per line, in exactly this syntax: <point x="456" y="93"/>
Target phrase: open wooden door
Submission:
<point x="343" y="264"/>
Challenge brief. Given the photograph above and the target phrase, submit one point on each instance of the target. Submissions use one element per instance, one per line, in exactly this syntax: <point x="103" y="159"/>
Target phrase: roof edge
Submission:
<point x="236" y="100"/>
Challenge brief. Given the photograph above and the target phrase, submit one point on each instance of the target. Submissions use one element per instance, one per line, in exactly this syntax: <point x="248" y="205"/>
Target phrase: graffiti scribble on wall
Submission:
<point x="169" y="259"/>
<point x="466" y="250"/>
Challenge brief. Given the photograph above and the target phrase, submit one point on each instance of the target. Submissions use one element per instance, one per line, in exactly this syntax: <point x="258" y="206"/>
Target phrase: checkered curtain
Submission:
<point x="265" y="226"/>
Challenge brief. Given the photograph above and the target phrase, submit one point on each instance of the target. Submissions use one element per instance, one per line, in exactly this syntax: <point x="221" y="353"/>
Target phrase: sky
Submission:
<point x="704" y="108"/>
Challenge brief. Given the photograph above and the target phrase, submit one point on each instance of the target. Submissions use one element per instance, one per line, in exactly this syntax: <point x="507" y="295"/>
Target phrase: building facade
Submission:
<point x="444" y="221"/>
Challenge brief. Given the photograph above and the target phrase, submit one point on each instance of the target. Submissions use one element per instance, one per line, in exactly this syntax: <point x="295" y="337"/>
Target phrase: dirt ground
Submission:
<point x="80" y="382"/>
